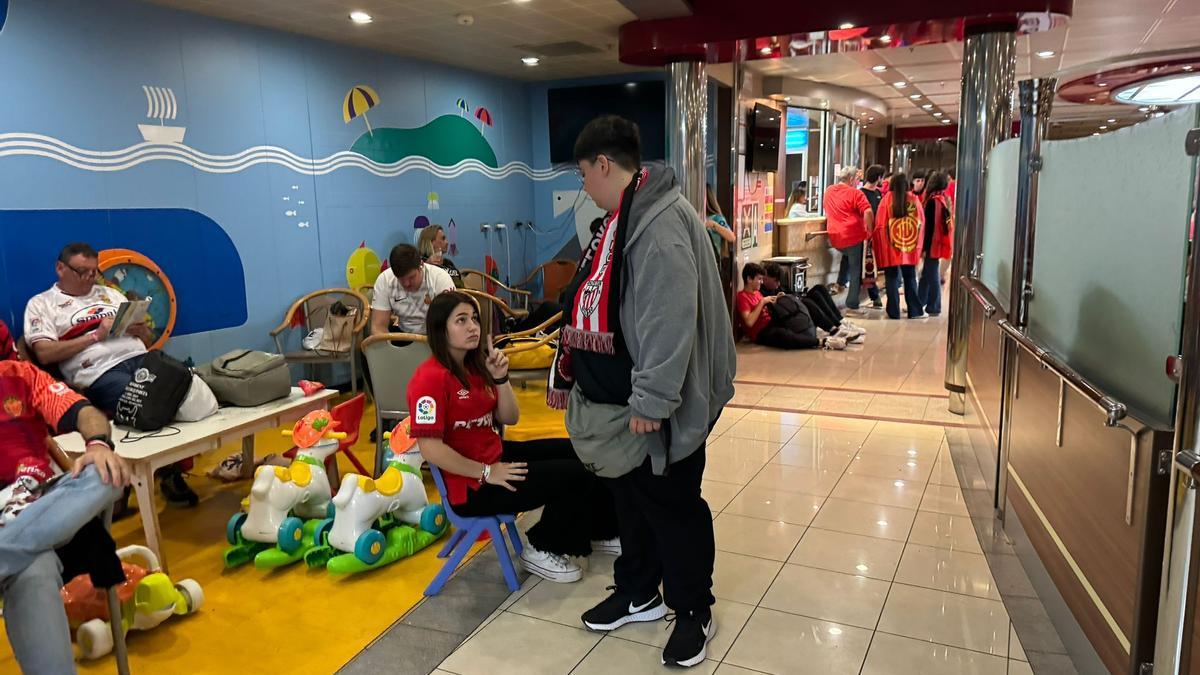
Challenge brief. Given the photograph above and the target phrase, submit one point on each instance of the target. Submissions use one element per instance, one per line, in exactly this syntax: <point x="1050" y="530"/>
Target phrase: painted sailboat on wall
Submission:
<point x="161" y="105"/>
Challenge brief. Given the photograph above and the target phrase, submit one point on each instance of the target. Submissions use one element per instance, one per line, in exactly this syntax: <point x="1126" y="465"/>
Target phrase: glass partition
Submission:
<point x="1000" y="218"/>
<point x="1112" y="229"/>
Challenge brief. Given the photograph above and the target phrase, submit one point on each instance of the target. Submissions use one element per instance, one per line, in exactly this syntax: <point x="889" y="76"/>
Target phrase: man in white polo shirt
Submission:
<point x="405" y="290"/>
<point x="68" y="326"/>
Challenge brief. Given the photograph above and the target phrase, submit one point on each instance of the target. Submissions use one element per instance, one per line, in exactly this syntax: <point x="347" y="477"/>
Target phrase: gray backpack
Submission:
<point x="244" y="377"/>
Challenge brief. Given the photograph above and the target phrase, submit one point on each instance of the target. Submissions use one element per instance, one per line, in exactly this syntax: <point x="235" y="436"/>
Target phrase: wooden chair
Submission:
<point x="493" y="311"/>
<point x="480" y="281"/>
<point x="315" y="307"/>
<point x="556" y="275"/>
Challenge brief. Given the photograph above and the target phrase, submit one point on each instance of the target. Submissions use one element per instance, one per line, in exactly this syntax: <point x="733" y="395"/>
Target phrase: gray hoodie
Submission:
<point x="674" y="319"/>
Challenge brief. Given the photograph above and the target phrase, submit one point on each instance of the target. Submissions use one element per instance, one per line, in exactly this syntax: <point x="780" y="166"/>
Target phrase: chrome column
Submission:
<point x="850" y="143"/>
<point x="827" y="158"/>
<point x="902" y="157"/>
<point x="687" y="126"/>
<point x="1037" y="97"/>
<point x="735" y="161"/>
<point x="989" y="67"/>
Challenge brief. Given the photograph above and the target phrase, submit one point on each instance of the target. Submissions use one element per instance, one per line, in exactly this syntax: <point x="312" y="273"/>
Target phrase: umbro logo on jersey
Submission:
<point x="464" y="393"/>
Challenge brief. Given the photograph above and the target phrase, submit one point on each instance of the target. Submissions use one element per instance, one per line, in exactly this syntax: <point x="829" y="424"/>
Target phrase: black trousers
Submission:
<point x="826" y="311"/>
<point x="666" y="535"/>
<point x="578" y="510"/>
<point x="780" y="337"/>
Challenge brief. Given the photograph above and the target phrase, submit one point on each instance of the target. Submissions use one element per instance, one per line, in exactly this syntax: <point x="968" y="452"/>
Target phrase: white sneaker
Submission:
<point x="549" y="566"/>
<point x="849" y="333"/>
<point x="607" y="546"/>
<point x="854" y="326"/>
<point x="834" y="343"/>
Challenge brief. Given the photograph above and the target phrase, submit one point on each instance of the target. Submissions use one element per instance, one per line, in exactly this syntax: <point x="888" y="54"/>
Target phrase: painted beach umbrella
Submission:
<point x="484" y="116"/>
<point x="359" y="100"/>
<point x="463" y="108"/>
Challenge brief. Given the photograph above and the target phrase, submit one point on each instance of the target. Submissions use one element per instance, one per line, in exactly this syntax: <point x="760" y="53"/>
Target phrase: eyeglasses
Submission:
<point x="89" y="273"/>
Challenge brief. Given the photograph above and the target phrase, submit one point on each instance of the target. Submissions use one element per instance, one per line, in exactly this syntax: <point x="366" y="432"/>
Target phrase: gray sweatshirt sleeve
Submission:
<point x="665" y="289"/>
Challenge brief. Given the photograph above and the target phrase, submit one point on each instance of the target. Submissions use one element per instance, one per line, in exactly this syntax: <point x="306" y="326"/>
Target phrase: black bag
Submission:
<point x="154" y="395"/>
<point x="790" y="312"/>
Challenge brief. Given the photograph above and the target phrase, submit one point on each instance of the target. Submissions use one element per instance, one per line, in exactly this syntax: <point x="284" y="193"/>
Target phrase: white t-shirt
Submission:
<point x="410" y="308"/>
<point x="797" y="211"/>
<point x="54" y="315"/>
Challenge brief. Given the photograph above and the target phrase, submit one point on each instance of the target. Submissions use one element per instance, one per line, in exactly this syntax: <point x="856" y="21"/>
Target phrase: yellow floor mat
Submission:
<point x="291" y="620"/>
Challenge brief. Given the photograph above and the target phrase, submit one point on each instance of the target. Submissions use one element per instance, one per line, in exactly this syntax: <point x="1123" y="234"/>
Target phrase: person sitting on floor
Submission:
<point x="820" y="305"/>
<point x="68" y="326"/>
<point x="788" y="327"/>
<point x="459" y="397"/>
<point x="30" y="579"/>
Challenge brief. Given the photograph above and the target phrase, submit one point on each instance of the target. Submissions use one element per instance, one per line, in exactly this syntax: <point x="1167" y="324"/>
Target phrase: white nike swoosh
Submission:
<point x="635" y="610"/>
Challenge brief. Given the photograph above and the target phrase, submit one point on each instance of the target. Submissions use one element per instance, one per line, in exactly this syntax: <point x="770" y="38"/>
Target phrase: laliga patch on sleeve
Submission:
<point x="426" y="412"/>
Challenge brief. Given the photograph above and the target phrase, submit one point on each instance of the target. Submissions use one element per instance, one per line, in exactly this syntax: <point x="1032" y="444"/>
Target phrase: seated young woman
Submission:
<point x="458" y="399"/>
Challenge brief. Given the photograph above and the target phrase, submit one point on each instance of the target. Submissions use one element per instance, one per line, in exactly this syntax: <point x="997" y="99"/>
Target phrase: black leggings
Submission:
<point x="823" y="309"/>
<point x="578" y="509"/>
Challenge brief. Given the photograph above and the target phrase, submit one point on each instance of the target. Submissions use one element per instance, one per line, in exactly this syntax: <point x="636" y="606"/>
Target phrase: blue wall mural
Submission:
<point x="242" y="134"/>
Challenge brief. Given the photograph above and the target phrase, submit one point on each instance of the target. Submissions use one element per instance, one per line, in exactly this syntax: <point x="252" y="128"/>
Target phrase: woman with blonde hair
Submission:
<point x="432" y="246"/>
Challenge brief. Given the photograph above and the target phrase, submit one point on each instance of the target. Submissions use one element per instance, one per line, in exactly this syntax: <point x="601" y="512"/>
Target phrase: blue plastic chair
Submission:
<point x="467" y="532"/>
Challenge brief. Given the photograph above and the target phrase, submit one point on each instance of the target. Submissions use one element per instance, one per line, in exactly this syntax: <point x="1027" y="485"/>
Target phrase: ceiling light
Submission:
<point x="928" y="106"/>
<point x="885" y="39"/>
<point x="1101" y="84"/>
<point x="1091" y="99"/>
<point x="846" y="26"/>
<point x="1178" y="89"/>
<point x="1046" y="54"/>
<point x="870" y="119"/>
<point x="900" y="85"/>
<point x="936" y="114"/>
<point x="1111" y="120"/>
<point x="914" y="96"/>
<point x="945" y="121"/>
<point x="530" y="60"/>
<point x="1187" y="69"/>
<point x="765" y="51"/>
<point x="359" y="16"/>
<point x="1144" y="109"/>
<point x="1095" y="133"/>
<point x="879" y="69"/>
<point x="1103" y="127"/>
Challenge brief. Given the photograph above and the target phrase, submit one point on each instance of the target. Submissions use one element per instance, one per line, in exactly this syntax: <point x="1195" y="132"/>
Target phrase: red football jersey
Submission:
<point x="30" y="400"/>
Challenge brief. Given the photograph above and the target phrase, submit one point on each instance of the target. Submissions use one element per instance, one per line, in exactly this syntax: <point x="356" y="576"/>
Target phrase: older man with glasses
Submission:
<point x="69" y="326"/>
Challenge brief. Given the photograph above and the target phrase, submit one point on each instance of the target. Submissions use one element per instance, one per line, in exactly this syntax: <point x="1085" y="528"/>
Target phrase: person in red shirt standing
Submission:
<point x="849" y="219"/>
<point x="30" y="402"/>
<point x="938" y="242"/>
<point x="898" y="246"/>
<point x="458" y="398"/>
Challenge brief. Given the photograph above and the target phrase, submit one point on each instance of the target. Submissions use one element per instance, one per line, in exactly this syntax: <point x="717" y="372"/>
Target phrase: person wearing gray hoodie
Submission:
<point x="645" y="366"/>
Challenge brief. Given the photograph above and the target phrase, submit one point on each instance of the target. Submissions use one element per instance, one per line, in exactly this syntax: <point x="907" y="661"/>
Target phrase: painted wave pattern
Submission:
<point x="37" y="145"/>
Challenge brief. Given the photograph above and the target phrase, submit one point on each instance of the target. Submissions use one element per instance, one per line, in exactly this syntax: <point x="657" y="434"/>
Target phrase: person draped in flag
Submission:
<point x="644" y="366"/>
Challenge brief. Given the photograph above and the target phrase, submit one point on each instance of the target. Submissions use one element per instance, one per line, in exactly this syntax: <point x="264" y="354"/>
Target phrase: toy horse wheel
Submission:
<point x="291" y="534"/>
<point x="369" y="547"/>
<point x="233" y="529"/>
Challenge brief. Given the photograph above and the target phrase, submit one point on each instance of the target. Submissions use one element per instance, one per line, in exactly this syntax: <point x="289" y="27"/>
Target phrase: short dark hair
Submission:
<point x="751" y="270"/>
<point x="614" y="137"/>
<point x="873" y="173"/>
<point x="773" y="270"/>
<point x="403" y="259"/>
<point x="919" y="174"/>
<point x="76" y="248"/>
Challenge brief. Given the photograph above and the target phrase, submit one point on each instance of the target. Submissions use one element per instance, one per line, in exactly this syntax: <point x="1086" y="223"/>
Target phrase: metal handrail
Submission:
<point x="809" y="236"/>
<point x="1114" y="410"/>
<point x="982" y="295"/>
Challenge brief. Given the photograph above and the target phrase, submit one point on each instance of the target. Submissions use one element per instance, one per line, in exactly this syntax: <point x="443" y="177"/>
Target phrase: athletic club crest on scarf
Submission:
<point x="593" y="316"/>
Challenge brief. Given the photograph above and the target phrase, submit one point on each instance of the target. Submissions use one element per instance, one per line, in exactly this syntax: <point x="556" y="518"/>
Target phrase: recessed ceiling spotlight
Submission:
<point x="914" y="96"/>
<point x="846" y="26"/>
<point x="885" y="39"/>
<point x="530" y="60"/>
<point x="870" y="119"/>
<point x="359" y="16"/>
<point x="904" y="116"/>
<point x="1103" y="127"/>
<point x="1111" y="120"/>
<point x="1091" y="99"/>
<point x="1187" y="69"/>
<point x="937" y="114"/>
<point x="928" y="106"/>
<point x="1144" y="109"/>
<point x="900" y="85"/>
<point x="945" y="121"/>
<point x="879" y="68"/>
<point x="1045" y="54"/>
<point x="1101" y="84"/>
<point x="1095" y="133"/>
<point x="765" y="51"/>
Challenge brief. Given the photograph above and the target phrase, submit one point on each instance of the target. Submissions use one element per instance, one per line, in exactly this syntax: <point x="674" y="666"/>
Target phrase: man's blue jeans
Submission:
<point x="854" y="255"/>
<point x="30" y="571"/>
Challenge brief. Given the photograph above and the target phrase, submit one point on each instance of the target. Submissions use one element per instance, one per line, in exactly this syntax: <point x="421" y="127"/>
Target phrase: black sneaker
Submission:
<point x="617" y="610"/>
<point x="689" y="641"/>
<point x="176" y="490"/>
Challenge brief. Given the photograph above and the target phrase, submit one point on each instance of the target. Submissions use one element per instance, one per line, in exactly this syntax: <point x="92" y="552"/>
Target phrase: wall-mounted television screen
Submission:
<point x="762" y="142"/>
<point x="571" y="108"/>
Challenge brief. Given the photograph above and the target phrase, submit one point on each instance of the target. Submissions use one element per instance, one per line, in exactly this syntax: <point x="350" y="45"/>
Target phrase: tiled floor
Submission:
<point x="844" y="543"/>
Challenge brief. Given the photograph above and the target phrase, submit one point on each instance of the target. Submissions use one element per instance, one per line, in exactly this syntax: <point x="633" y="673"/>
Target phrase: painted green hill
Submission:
<point x="446" y="141"/>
